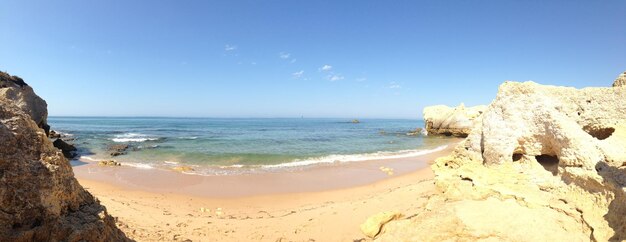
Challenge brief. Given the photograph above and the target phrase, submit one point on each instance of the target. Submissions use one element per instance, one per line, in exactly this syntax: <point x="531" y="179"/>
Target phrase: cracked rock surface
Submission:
<point x="40" y="200"/>
<point x="543" y="163"/>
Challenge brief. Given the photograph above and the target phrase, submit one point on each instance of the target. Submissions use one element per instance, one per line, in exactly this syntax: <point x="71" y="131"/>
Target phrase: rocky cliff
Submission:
<point x="449" y="121"/>
<point x="620" y="81"/>
<point x="14" y="90"/>
<point x="543" y="163"/>
<point x="40" y="200"/>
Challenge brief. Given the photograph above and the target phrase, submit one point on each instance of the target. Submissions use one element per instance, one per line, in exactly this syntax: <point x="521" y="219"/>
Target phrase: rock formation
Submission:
<point x="543" y="163"/>
<point x="620" y="81"/>
<point x="68" y="150"/>
<point x="372" y="226"/>
<point x="40" y="200"/>
<point x="449" y="121"/>
<point x="13" y="89"/>
<point x="116" y="150"/>
<point x="108" y="163"/>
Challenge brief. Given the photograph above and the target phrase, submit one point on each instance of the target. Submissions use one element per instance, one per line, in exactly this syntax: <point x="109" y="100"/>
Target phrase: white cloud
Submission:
<point x="293" y="60"/>
<point x="298" y="74"/>
<point x="362" y="79"/>
<point x="284" y="55"/>
<point x="230" y="47"/>
<point x="326" y="68"/>
<point x="333" y="78"/>
<point x="394" y="85"/>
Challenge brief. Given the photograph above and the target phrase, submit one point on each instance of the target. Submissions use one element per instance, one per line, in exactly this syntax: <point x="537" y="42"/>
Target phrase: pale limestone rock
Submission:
<point x="40" y="200"/>
<point x="13" y="89"/>
<point x="372" y="226"/>
<point x="183" y="168"/>
<point x="620" y="81"/>
<point x="543" y="163"/>
<point x="108" y="163"/>
<point x="457" y="121"/>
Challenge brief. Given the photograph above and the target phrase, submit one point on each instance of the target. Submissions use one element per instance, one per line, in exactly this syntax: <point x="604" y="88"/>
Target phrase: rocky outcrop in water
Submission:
<point x="620" y="81"/>
<point x="40" y="200"/>
<point x="449" y="121"/>
<point x="543" y="163"/>
<point x="117" y="149"/>
<point x="68" y="150"/>
<point x="14" y="90"/>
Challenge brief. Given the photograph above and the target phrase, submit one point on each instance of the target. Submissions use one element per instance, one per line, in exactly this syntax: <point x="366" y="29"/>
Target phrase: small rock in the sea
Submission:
<point x="69" y="150"/>
<point x="109" y="163"/>
<point x="355" y="121"/>
<point x="183" y="168"/>
<point x="415" y="132"/>
<point x="54" y="135"/>
<point x="118" y="149"/>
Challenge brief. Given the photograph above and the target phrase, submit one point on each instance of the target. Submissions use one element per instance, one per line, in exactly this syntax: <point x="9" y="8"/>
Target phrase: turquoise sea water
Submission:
<point x="211" y="144"/>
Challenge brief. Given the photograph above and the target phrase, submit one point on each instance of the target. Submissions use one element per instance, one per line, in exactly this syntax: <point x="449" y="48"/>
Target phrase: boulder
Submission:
<point x="620" y="81"/>
<point x="69" y="150"/>
<point x="449" y="121"/>
<point x="546" y="159"/>
<point x="372" y="226"/>
<point x="183" y="168"/>
<point x="108" y="163"/>
<point x="54" y="135"/>
<point x="40" y="200"/>
<point x="115" y="150"/>
<point x="14" y="90"/>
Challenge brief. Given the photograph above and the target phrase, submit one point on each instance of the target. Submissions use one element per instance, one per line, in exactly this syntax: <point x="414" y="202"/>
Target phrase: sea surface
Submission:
<point x="222" y="145"/>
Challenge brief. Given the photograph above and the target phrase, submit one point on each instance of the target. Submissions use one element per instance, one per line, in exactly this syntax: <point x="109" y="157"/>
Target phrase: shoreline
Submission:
<point x="314" y="178"/>
<point x="304" y="212"/>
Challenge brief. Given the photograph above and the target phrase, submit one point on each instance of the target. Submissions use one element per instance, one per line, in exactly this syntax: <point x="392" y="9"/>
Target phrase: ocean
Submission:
<point x="214" y="146"/>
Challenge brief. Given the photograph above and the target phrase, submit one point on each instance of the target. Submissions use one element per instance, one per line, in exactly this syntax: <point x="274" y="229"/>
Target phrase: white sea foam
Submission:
<point x="358" y="157"/>
<point x="121" y="140"/>
<point x="170" y="162"/>
<point x="132" y="137"/>
<point x="139" y="165"/>
<point x="190" y="137"/>
<point x="87" y="158"/>
<point x="64" y="134"/>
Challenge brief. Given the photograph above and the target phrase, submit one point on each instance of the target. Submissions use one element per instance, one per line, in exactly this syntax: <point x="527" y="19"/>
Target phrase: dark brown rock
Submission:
<point x="115" y="150"/>
<point x="69" y="150"/>
<point x="54" y="135"/>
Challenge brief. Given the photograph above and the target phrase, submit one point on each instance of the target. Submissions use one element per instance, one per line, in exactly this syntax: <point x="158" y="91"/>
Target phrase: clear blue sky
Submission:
<point x="350" y="59"/>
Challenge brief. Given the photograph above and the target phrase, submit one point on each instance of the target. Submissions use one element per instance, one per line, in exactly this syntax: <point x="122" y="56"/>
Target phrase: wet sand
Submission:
<point x="323" y="203"/>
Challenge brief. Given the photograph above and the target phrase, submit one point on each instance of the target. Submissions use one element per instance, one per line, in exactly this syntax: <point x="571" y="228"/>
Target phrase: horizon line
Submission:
<point x="213" y="117"/>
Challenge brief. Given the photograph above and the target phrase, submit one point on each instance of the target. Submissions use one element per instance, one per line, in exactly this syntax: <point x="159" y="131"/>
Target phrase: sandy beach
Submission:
<point x="323" y="203"/>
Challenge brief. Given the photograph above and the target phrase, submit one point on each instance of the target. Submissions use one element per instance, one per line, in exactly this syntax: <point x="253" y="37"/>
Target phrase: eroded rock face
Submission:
<point x="550" y="160"/>
<point x="13" y="89"/>
<point x="449" y="121"/>
<point x="40" y="200"/>
<point x="620" y="81"/>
